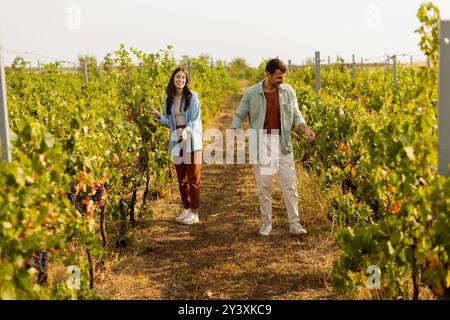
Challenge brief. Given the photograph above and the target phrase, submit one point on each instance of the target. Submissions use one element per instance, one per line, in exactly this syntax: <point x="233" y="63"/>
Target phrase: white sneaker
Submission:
<point x="183" y="215"/>
<point x="297" y="229"/>
<point x="190" y="219"/>
<point x="265" y="229"/>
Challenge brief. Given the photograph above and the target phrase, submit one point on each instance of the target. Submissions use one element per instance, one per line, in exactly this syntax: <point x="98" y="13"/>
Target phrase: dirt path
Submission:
<point x="224" y="254"/>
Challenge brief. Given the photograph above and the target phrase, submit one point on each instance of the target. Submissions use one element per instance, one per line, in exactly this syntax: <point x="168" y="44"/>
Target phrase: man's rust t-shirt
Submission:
<point x="273" y="117"/>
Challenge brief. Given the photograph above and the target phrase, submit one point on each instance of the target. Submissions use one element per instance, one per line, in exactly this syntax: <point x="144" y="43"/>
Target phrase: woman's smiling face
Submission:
<point x="180" y="80"/>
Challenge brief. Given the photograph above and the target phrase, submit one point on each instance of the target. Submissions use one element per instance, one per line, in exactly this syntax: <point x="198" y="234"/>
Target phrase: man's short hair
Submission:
<point x="274" y="65"/>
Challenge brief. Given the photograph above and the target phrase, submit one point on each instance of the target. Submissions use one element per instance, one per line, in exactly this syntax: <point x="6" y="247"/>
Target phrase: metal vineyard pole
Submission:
<point x="212" y="64"/>
<point x="394" y="61"/>
<point x="444" y="100"/>
<point x="290" y="66"/>
<point x="362" y="65"/>
<point x="388" y="66"/>
<point x="353" y="68"/>
<point x="4" y="127"/>
<point x="317" y="71"/>
<point x="85" y="72"/>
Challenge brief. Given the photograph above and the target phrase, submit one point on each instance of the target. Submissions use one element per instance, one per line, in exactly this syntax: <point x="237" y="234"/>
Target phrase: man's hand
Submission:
<point x="311" y="135"/>
<point x="308" y="132"/>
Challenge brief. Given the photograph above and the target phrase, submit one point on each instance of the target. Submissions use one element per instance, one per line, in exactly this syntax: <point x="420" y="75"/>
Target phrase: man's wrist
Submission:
<point x="303" y="127"/>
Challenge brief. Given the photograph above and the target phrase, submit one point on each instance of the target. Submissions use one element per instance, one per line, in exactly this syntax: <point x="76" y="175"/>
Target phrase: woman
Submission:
<point x="181" y="113"/>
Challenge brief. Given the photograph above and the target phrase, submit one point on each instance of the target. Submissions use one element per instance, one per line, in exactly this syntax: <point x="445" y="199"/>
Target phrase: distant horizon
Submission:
<point x="419" y="60"/>
<point x="48" y="30"/>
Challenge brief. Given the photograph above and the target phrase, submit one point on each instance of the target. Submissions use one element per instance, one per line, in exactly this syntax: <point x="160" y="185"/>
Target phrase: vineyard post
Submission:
<point x="4" y="127"/>
<point x="39" y="66"/>
<point x="444" y="100"/>
<point x="394" y="65"/>
<point x="411" y="61"/>
<point x="428" y="62"/>
<point x="353" y="68"/>
<point x="362" y="65"/>
<point x="329" y="60"/>
<point x="290" y="66"/>
<point x="212" y="64"/>
<point x="85" y="72"/>
<point x="388" y="65"/>
<point x="317" y="71"/>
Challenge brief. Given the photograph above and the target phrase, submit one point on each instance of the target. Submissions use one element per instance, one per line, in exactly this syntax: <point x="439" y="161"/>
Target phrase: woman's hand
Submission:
<point x="154" y="111"/>
<point x="182" y="134"/>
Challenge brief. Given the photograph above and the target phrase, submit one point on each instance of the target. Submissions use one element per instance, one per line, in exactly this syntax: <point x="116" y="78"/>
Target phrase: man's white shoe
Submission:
<point x="190" y="219"/>
<point x="265" y="229"/>
<point x="297" y="229"/>
<point x="184" y="214"/>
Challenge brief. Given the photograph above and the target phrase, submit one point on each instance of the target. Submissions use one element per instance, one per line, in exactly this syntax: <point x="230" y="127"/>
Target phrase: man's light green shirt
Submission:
<point x="254" y="105"/>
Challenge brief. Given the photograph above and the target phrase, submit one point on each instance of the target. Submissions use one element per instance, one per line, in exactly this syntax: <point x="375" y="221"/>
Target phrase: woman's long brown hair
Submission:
<point x="170" y="91"/>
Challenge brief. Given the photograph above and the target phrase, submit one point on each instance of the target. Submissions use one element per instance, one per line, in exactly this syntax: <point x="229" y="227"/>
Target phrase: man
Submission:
<point x="272" y="106"/>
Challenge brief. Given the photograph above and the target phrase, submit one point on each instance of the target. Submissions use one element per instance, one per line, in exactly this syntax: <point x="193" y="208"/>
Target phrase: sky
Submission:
<point x="252" y="29"/>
